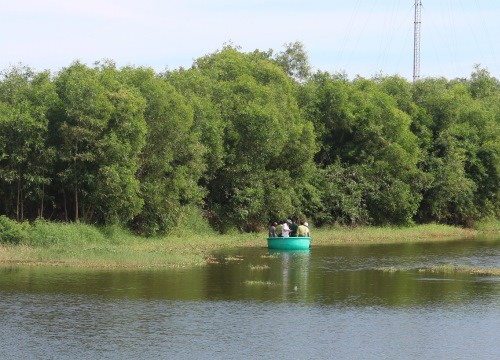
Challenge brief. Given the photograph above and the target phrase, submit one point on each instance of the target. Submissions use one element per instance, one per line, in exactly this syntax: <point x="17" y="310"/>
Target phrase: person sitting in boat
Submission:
<point x="279" y="230"/>
<point x="303" y="230"/>
<point x="293" y="228"/>
<point x="272" y="230"/>
<point x="285" y="232"/>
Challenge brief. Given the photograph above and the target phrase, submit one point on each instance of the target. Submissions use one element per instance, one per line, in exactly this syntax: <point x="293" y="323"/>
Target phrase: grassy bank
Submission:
<point x="79" y="245"/>
<point x="382" y="235"/>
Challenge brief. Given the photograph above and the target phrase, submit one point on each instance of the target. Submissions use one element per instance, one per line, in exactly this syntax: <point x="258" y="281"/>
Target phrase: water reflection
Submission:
<point x="331" y="302"/>
<point x="294" y="271"/>
<point x="344" y="275"/>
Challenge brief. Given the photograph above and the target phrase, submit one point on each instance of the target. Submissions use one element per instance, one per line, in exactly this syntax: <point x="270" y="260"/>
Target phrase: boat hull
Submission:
<point x="289" y="243"/>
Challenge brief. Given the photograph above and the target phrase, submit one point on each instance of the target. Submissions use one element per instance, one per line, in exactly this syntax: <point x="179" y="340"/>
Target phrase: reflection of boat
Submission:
<point x="289" y="243"/>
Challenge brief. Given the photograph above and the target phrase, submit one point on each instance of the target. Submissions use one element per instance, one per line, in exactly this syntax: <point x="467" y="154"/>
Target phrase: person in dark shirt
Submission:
<point x="293" y="228"/>
<point x="272" y="230"/>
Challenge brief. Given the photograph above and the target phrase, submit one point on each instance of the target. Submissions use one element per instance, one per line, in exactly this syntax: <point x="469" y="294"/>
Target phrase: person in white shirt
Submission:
<point x="286" y="228"/>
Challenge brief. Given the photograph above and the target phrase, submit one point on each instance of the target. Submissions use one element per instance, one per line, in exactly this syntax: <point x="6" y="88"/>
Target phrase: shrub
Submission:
<point x="12" y="232"/>
<point x="192" y="221"/>
<point x="44" y="233"/>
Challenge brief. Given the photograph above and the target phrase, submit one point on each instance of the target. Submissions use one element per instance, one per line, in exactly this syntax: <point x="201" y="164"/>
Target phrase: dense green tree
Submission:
<point x="463" y="157"/>
<point x="198" y="90"/>
<point x="360" y="124"/>
<point x="266" y="144"/>
<point x="247" y="138"/>
<point x="116" y="194"/>
<point x="172" y="159"/>
<point x="485" y="165"/>
<point x="25" y="157"/>
<point x="482" y="84"/>
<point x="100" y="131"/>
<point x="294" y="61"/>
<point x="341" y="195"/>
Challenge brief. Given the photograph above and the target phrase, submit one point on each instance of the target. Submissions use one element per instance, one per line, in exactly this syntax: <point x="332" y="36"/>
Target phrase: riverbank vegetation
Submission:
<point x="449" y="269"/>
<point x="81" y="245"/>
<point x="458" y="269"/>
<point x="245" y="138"/>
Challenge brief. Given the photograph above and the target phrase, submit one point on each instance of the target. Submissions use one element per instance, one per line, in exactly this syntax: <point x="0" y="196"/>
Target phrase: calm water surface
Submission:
<point x="329" y="302"/>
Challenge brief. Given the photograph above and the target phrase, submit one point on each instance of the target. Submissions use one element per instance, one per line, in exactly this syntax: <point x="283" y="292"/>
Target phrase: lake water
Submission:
<point x="330" y="302"/>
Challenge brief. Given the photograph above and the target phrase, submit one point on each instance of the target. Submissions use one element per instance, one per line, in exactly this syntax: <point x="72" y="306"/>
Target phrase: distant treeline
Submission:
<point x="246" y="138"/>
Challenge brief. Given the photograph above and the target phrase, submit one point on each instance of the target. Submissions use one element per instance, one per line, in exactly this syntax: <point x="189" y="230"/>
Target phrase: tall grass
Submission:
<point x="44" y="233"/>
<point x="370" y="235"/>
<point x="488" y="226"/>
<point x="76" y="244"/>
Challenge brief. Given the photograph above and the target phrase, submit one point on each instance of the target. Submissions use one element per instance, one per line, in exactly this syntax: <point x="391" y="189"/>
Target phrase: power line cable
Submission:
<point x="409" y="30"/>
<point x="391" y="30"/>
<point x="446" y="42"/>
<point x="429" y="20"/>
<point x="370" y="14"/>
<point x="488" y="37"/>
<point x="348" y="33"/>
<point x="454" y="38"/>
<point x="476" y="39"/>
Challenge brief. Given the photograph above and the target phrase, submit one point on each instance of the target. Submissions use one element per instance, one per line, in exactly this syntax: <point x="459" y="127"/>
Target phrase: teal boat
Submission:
<point x="289" y="243"/>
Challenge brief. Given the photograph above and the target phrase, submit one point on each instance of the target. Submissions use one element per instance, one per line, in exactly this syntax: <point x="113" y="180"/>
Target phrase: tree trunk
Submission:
<point x="22" y="206"/>
<point x="18" y="197"/>
<point x="76" y="182"/>
<point x="43" y="195"/>
<point x="76" y="204"/>
<point x="65" y="206"/>
<point x="89" y="213"/>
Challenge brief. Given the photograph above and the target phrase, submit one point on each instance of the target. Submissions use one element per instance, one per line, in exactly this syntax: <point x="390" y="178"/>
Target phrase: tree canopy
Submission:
<point x="246" y="138"/>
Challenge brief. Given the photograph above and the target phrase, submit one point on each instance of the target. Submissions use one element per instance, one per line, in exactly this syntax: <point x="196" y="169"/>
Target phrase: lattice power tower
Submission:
<point x="416" y="40"/>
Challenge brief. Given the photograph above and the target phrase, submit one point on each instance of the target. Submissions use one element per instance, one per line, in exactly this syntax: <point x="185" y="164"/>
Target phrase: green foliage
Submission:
<point x="100" y="131"/>
<point x="44" y="233"/>
<point x="294" y="61"/>
<point x="12" y="232"/>
<point x="172" y="158"/>
<point x="363" y="131"/>
<point x="25" y="157"/>
<point x="341" y="193"/>
<point x="192" y="223"/>
<point x="482" y="84"/>
<point x="259" y="139"/>
<point x="240" y="139"/>
<point x="463" y="156"/>
<point x="488" y="225"/>
<point x="208" y="123"/>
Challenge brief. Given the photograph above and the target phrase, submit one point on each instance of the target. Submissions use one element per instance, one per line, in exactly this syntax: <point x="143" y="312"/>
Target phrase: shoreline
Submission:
<point x="122" y="250"/>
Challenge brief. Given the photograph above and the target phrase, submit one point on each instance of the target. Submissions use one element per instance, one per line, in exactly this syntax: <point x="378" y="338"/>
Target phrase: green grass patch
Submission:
<point x="80" y="245"/>
<point x="259" y="267"/>
<point x="233" y="258"/>
<point x="391" y="269"/>
<point x="44" y="233"/>
<point x="488" y="226"/>
<point x="448" y="269"/>
<point x="457" y="269"/>
<point x="259" y="283"/>
<point x="270" y="256"/>
<point x="382" y="235"/>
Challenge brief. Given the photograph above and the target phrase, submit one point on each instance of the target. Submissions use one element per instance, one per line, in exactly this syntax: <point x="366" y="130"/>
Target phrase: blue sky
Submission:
<point x="360" y="37"/>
